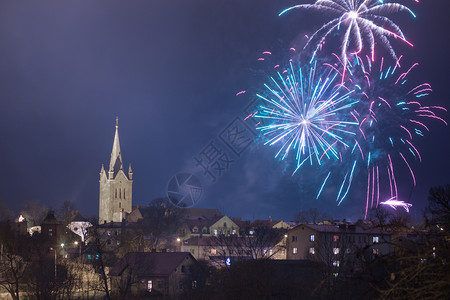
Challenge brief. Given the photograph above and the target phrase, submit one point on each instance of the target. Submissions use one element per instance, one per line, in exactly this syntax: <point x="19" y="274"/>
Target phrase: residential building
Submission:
<point x="328" y="242"/>
<point x="158" y="274"/>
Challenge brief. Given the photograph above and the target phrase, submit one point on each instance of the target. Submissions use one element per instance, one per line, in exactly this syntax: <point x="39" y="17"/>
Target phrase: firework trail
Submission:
<point x="397" y="203"/>
<point x="361" y="21"/>
<point x="308" y="113"/>
<point x="392" y="115"/>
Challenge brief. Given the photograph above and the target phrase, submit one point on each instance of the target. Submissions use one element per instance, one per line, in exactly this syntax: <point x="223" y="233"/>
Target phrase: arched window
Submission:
<point x="120" y="193"/>
<point x="124" y="193"/>
<point x="115" y="194"/>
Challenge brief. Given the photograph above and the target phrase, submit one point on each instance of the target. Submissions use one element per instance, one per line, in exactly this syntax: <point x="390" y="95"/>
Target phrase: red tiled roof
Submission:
<point x="148" y="264"/>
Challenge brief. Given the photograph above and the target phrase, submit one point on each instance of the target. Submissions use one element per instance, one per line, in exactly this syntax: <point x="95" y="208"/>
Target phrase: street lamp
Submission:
<point x="179" y="244"/>
<point x="54" y="250"/>
<point x="79" y="247"/>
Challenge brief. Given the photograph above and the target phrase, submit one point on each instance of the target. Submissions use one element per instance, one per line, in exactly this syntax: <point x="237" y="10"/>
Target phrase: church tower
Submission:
<point x="115" y="187"/>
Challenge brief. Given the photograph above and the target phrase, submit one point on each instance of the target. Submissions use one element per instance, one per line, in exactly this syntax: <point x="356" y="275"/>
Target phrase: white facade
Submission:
<point x="115" y="187"/>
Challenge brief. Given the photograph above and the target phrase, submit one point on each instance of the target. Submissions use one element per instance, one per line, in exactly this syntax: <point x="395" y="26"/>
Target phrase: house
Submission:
<point x="219" y="225"/>
<point x="163" y="274"/>
<point x="332" y="242"/>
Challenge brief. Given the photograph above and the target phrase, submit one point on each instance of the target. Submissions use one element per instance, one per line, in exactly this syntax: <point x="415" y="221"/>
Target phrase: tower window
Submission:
<point x="124" y="193"/>
<point x="120" y="193"/>
<point x="120" y="204"/>
<point x="115" y="194"/>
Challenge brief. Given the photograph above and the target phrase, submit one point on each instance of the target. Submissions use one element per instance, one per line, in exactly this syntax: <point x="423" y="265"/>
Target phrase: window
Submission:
<point x="194" y="284"/>
<point x="120" y="204"/>
<point x="336" y="263"/>
<point x="294" y="238"/>
<point x="376" y="251"/>
<point x="224" y="224"/>
<point x="336" y="251"/>
<point x="348" y="250"/>
<point x="312" y="250"/>
<point x="183" y="269"/>
<point x="115" y="193"/>
<point x="375" y="239"/>
<point x="89" y="256"/>
<point x="335" y="238"/>
<point x="215" y="231"/>
<point x="186" y="250"/>
<point x="213" y="251"/>
<point x="195" y="230"/>
<point x="312" y="238"/>
<point x="294" y="250"/>
<point x="233" y="231"/>
<point x="120" y="193"/>
<point x="149" y="285"/>
<point x="124" y="193"/>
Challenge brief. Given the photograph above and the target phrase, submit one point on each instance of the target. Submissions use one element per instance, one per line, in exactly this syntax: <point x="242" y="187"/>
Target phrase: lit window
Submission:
<point x="336" y="251"/>
<point x="251" y="232"/>
<point x="294" y="250"/>
<point x="213" y="251"/>
<point x="194" y="284"/>
<point x="195" y="230"/>
<point x="335" y="263"/>
<point x="149" y="285"/>
<point x="312" y="238"/>
<point x="270" y="252"/>
<point x="186" y="250"/>
<point x="215" y="231"/>
<point x="335" y="238"/>
<point x="233" y="231"/>
<point x="375" y="239"/>
<point x="312" y="250"/>
<point x="376" y="251"/>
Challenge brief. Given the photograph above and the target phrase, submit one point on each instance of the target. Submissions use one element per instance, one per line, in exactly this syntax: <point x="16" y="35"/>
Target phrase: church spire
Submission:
<point x="115" y="163"/>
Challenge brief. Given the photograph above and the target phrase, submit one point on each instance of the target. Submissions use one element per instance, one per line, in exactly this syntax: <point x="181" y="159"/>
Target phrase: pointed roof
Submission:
<point x="115" y="163"/>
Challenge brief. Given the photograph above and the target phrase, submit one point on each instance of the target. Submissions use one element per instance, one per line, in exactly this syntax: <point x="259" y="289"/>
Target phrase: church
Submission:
<point x="115" y="199"/>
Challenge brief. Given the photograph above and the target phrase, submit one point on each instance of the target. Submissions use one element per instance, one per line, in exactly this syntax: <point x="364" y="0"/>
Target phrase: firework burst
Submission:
<point x="392" y="116"/>
<point x="306" y="112"/>
<point x="361" y="21"/>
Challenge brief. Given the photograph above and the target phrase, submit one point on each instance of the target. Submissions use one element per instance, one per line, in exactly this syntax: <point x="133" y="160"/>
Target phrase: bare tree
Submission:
<point x="34" y="211"/>
<point x="312" y="215"/>
<point x="439" y="206"/>
<point x="12" y="264"/>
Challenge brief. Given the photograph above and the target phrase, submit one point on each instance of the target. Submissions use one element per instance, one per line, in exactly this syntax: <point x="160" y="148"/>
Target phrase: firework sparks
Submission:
<point x="394" y="203"/>
<point x="391" y="117"/>
<point x="306" y="114"/>
<point x="362" y="21"/>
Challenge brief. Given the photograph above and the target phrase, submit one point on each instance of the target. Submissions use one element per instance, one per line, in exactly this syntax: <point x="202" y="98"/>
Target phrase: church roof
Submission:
<point x="115" y="163"/>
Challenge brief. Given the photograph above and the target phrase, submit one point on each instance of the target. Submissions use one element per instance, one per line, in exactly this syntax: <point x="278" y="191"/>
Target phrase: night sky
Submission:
<point x="170" y="70"/>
